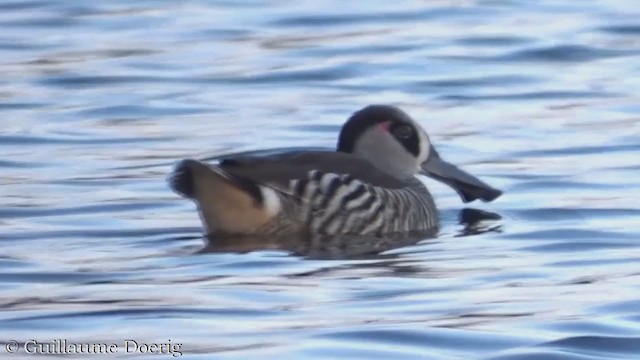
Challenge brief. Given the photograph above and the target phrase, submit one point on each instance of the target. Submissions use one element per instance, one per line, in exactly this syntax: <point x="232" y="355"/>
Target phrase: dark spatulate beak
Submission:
<point x="466" y="185"/>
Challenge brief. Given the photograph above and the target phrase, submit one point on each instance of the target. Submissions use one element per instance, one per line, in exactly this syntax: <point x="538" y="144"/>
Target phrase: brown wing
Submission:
<point x="279" y="169"/>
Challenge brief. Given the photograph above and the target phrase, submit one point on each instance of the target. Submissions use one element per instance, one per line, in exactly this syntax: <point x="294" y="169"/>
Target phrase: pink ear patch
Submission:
<point x="385" y="125"/>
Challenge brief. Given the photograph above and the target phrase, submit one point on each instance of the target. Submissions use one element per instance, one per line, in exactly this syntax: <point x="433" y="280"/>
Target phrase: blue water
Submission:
<point x="540" y="98"/>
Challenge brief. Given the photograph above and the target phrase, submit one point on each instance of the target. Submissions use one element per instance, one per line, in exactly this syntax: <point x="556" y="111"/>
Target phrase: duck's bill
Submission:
<point x="466" y="185"/>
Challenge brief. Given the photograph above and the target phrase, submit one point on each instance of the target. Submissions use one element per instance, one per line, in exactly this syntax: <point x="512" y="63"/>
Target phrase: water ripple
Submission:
<point x="538" y="95"/>
<point x="566" y="53"/>
<point x="79" y="81"/>
<point x="630" y="29"/>
<point x="363" y="18"/>
<point x="13" y="140"/>
<point x="538" y="98"/>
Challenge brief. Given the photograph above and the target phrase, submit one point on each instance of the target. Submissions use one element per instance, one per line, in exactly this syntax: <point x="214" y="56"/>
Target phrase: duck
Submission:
<point x="369" y="185"/>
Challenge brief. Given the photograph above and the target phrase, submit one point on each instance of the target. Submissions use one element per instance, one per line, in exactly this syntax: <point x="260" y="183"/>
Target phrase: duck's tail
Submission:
<point x="227" y="204"/>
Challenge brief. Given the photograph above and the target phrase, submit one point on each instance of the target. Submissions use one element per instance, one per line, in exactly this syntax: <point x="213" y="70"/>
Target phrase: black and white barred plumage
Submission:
<point x="340" y="204"/>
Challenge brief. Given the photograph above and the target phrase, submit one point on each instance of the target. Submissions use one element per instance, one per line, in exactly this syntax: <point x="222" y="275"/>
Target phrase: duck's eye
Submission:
<point x="402" y="131"/>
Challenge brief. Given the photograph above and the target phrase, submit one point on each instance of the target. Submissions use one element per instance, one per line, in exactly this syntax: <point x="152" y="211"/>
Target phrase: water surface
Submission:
<point x="540" y="99"/>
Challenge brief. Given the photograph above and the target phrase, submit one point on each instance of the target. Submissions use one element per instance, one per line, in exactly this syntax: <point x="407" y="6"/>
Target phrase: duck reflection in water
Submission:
<point x="346" y="246"/>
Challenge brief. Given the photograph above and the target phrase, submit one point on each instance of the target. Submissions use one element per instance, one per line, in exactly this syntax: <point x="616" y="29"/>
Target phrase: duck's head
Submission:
<point x="396" y="144"/>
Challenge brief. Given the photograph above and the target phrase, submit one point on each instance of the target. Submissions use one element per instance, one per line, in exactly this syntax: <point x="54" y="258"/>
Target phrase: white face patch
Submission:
<point x="425" y="146"/>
